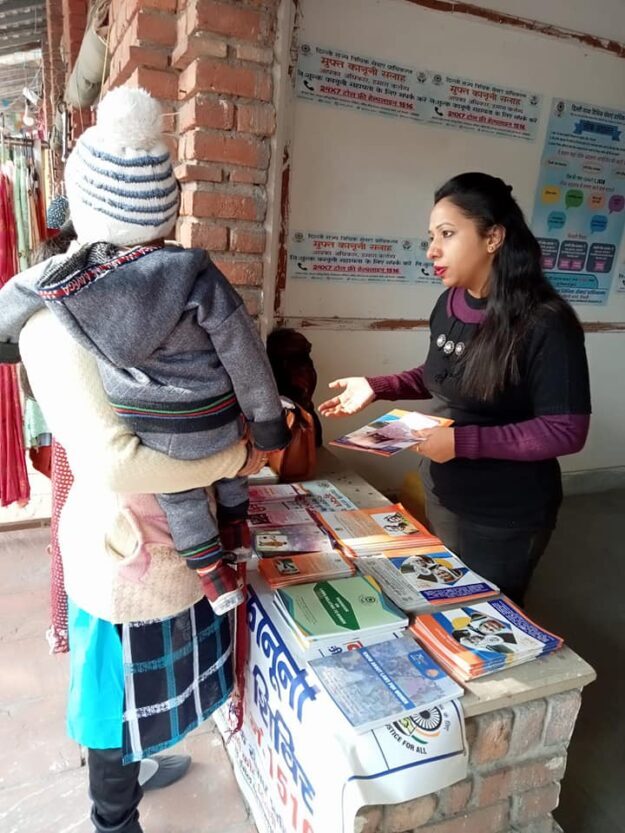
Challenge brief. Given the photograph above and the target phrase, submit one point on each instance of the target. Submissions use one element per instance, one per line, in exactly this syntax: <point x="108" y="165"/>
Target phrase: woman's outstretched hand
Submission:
<point x="357" y="394"/>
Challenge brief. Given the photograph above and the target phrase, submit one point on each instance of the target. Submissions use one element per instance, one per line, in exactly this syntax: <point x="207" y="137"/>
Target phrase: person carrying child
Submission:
<point x="180" y="358"/>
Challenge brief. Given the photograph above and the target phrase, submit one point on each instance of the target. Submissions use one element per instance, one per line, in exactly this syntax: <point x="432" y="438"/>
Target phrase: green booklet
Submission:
<point x="325" y="609"/>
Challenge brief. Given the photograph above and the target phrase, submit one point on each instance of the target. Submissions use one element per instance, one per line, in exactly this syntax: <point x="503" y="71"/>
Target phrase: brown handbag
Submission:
<point x="298" y="460"/>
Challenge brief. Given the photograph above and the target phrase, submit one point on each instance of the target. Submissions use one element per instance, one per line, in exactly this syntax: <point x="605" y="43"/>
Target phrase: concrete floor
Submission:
<point x="43" y="783"/>
<point x="577" y="591"/>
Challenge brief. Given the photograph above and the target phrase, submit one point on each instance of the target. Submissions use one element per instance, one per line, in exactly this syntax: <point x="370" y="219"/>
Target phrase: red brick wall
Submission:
<point x="210" y="64"/>
<point x="54" y="67"/>
<point x="65" y="25"/>
<point x="517" y="759"/>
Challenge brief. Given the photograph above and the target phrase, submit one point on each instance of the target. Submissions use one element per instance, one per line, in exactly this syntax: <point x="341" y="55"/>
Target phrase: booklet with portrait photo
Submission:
<point x="470" y="642"/>
<point x="423" y="578"/>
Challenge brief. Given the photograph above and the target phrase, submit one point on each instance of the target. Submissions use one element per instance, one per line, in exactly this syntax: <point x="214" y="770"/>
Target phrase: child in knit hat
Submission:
<point x="180" y="358"/>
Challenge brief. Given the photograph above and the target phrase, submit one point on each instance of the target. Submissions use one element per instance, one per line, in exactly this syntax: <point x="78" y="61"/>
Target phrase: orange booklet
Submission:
<point x="282" y="571"/>
<point x="478" y="639"/>
<point x="367" y="531"/>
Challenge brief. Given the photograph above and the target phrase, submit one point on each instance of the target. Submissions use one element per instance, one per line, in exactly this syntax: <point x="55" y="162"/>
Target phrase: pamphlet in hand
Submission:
<point x="425" y="577"/>
<point x="390" y="433"/>
<point x="378" y="684"/>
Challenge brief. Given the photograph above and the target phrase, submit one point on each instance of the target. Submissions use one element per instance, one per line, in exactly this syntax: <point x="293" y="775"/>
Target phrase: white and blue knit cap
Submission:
<point x="119" y="178"/>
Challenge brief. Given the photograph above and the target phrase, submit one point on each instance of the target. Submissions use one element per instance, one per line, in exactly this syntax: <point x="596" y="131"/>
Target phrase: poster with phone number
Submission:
<point x="362" y="82"/>
<point x="579" y="213"/>
<point x="325" y="256"/>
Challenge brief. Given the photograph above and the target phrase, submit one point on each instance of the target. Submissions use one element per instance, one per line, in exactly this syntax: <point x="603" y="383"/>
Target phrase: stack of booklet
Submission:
<point x="378" y="684"/>
<point x="320" y="612"/>
<point x="284" y="571"/>
<point x="291" y="540"/>
<point x="422" y="578"/>
<point x="277" y="513"/>
<point x="282" y="506"/>
<point x="470" y="642"/>
<point x="319" y="495"/>
<point x="283" y="521"/>
<point x="362" y="532"/>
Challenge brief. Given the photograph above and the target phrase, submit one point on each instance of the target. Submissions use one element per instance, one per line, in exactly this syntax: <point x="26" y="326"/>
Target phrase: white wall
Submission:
<point x="363" y="173"/>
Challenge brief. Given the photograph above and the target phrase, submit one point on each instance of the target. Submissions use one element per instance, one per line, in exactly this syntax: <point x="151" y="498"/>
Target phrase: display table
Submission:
<point x="303" y="770"/>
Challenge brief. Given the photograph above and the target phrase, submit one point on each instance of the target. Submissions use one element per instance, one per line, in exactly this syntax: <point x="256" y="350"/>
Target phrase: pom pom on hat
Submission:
<point x="119" y="178"/>
<point x="128" y="117"/>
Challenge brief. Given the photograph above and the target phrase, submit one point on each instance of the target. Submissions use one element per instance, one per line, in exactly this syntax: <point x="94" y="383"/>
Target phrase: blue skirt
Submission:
<point x="96" y="684"/>
<point x="145" y="685"/>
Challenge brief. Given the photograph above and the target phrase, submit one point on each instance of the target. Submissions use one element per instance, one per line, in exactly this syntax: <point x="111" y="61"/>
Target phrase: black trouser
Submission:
<point x="115" y="792"/>
<point x="502" y="555"/>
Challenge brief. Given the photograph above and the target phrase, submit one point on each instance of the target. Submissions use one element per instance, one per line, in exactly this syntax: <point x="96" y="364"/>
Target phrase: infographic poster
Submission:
<point x="580" y="200"/>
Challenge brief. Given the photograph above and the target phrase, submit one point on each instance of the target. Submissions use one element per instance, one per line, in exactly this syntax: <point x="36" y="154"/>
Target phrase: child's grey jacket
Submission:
<point x="176" y="347"/>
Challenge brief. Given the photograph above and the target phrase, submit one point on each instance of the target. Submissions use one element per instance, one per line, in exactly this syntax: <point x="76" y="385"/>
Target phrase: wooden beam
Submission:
<point x="503" y="19"/>
<point x="402" y="324"/>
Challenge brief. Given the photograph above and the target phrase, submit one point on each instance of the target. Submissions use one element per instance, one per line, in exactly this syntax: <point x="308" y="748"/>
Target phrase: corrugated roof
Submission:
<point x="22" y="25"/>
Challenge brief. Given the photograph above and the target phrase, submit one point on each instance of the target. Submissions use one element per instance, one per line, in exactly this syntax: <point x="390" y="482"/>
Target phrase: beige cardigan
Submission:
<point x="117" y="554"/>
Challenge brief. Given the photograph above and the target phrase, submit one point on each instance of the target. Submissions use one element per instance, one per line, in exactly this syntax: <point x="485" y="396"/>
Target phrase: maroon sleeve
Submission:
<point x="541" y="438"/>
<point x="406" y="385"/>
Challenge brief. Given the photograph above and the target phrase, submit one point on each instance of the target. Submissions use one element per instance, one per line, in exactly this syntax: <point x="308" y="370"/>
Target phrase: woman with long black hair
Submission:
<point x="507" y="363"/>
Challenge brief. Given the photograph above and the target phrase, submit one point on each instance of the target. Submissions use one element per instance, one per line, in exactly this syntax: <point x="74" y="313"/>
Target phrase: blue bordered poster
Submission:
<point x="579" y="209"/>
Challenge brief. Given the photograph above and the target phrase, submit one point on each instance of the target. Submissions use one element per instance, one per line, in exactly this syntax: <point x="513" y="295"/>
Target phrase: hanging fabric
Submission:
<point x="14" y="485"/>
<point x="62" y="480"/>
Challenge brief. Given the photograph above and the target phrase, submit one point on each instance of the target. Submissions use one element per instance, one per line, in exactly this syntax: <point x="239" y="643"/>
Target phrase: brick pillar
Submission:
<point x="210" y="64"/>
<point x="143" y="34"/>
<point x="47" y="76"/>
<point x="517" y="758"/>
<point x="74" y="25"/>
<point x="54" y="68"/>
<point x="226" y="120"/>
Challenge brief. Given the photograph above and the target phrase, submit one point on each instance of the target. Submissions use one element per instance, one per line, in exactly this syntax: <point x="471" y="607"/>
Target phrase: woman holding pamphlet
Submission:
<point x="507" y="364"/>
